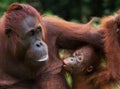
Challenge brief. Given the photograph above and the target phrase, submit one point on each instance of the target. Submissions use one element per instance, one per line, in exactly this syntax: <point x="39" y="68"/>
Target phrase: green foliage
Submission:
<point x="117" y="87"/>
<point x="81" y="10"/>
<point x="77" y="10"/>
<point x="69" y="79"/>
<point x="5" y="3"/>
<point x="49" y="13"/>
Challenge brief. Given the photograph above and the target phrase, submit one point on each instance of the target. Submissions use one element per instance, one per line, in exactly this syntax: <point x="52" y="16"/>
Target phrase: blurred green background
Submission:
<point x="75" y="10"/>
<point x="72" y="10"/>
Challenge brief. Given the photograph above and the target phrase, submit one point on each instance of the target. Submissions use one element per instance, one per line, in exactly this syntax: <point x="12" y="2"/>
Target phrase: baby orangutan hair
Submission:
<point x="82" y="61"/>
<point x="83" y="66"/>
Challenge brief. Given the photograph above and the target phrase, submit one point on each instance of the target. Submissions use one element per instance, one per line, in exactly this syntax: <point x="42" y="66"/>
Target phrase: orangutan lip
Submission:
<point x="44" y="58"/>
<point x="64" y="65"/>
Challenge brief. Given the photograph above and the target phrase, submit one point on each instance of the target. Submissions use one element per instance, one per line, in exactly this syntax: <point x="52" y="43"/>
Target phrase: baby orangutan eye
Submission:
<point x="72" y="59"/>
<point x="76" y="54"/>
<point x="80" y="58"/>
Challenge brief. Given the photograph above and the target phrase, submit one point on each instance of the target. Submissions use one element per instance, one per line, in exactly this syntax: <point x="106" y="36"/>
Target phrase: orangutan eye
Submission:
<point x="80" y="58"/>
<point x="72" y="59"/>
<point x="76" y="54"/>
<point x="32" y="33"/>
<point x="39" y="29"/>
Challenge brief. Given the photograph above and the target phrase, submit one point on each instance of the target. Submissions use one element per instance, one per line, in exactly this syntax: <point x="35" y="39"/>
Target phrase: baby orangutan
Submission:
<point x="83" y="65"/>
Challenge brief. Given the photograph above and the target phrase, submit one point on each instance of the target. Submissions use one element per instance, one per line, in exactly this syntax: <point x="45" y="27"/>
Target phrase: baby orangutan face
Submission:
<point x="72" y="62"/>
<point x="81" y="61"/>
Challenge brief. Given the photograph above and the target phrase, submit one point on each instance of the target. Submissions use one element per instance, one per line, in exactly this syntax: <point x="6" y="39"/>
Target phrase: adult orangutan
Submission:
<point x="23" y="51"/>
<point x="22" y="47"/>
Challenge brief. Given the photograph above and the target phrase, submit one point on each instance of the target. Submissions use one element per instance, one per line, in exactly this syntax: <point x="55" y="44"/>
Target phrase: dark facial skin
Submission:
<point x="37" y="49"/>
<point x="31" y="48"/>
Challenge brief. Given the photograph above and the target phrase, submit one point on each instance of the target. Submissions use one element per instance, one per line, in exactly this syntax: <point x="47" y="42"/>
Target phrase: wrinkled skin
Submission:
<point x="37" y="49"/>
<point x="22" y="47"/>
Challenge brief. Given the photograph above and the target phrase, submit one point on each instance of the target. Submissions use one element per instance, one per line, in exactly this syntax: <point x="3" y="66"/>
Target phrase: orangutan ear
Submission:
<point x="90" y="69"/>
<point x="13" y="7"/>
<point x="8" y="31"/>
